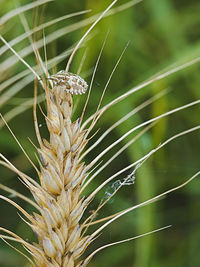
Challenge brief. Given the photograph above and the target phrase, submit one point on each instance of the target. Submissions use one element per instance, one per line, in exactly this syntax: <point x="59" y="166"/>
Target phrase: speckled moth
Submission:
<point x="72" y="83"/>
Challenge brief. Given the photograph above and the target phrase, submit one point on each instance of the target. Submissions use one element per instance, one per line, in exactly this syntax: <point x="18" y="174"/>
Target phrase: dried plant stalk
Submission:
<point x="61" y="177"/>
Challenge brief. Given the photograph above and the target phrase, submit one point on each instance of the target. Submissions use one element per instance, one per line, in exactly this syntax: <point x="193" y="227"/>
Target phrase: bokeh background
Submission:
<point x="161" y="35"/>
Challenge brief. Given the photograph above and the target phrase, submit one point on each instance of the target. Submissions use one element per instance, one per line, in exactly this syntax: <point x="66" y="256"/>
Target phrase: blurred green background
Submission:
<point x="162" y="34"/>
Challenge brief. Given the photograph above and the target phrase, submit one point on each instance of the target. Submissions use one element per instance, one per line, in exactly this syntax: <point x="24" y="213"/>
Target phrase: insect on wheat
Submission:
<point x="71" y="83"/>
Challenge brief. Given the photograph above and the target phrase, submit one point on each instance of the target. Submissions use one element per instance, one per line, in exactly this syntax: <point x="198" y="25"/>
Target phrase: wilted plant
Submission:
<point x="60" y="200"/>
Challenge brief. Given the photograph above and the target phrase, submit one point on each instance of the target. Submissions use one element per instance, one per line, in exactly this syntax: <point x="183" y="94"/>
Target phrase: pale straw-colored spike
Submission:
<point x="61" y="176"/>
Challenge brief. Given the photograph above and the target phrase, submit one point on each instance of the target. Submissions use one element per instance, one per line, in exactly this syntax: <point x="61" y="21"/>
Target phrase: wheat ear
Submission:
<point x="59" y="233"/>
<point x="61" y="177"/>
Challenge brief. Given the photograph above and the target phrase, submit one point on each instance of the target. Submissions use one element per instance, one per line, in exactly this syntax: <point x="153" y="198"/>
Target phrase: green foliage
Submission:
<point x="162" y="34"/>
